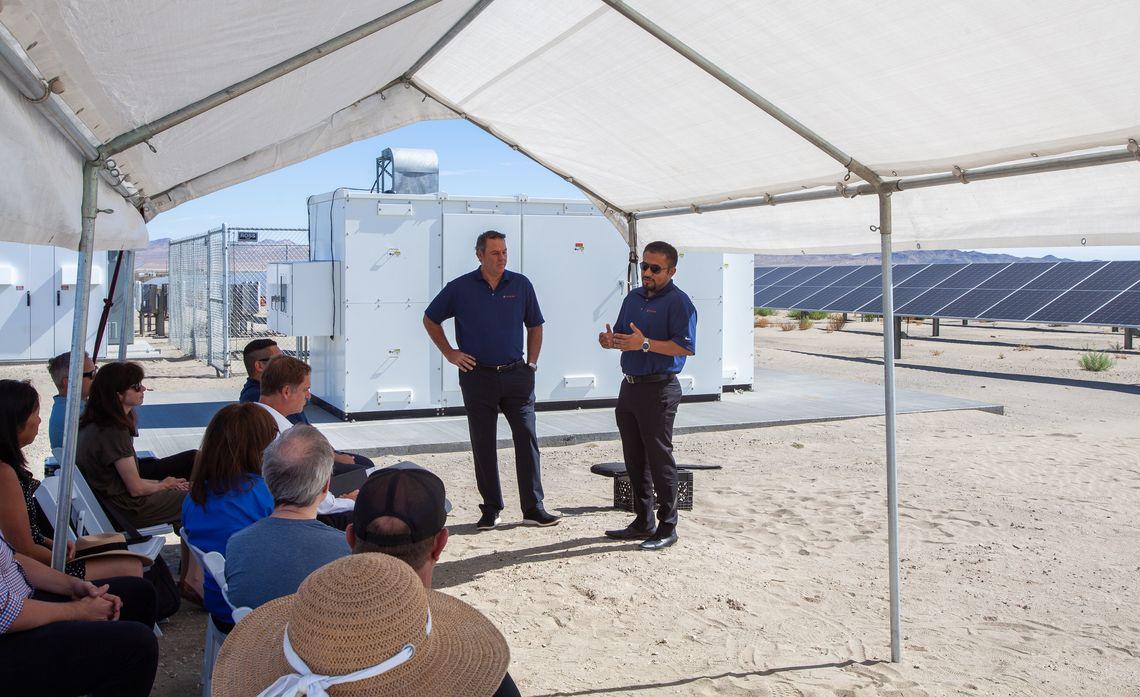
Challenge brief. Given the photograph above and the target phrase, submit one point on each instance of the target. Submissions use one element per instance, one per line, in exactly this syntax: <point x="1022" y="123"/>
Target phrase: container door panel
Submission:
<point x="460" y="230"/>
<point x="395" y="369"/>
<point x="66" y="277"/>
<point x="388" y="251"/>
<point x="578" y="267"/>
<point x="42" y="286"/>
<point x="703" y="372"/>
<point x="15" y="295"/>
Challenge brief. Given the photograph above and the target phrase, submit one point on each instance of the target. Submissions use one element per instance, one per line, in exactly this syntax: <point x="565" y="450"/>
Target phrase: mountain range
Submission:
<point x="936" y="256"/>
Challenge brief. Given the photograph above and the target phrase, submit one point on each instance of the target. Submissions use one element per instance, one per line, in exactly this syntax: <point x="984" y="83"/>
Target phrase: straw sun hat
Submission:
<point x="366" y="614"/>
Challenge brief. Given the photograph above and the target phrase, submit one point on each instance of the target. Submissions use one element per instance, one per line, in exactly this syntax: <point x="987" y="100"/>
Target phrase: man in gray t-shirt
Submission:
<point x="270" y="558"/>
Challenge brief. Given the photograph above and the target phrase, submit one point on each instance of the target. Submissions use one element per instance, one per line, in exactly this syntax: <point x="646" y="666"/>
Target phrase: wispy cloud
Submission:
<point x="460" y="172"/>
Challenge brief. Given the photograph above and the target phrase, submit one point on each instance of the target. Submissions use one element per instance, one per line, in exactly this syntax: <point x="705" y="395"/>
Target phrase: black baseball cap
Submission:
<point x="404" y="491"/>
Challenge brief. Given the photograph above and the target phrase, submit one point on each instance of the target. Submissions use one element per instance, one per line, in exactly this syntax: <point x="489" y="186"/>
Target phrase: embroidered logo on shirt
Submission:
<point x="510" y="297"/>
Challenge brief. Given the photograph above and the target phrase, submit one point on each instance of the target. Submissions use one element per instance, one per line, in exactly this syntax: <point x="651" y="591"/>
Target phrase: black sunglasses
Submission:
<point x="655" y="268"/>
<point x="90" y="373"/>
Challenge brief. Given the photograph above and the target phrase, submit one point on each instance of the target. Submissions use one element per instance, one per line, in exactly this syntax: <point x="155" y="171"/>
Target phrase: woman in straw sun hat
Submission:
<point x="363" y="626"/>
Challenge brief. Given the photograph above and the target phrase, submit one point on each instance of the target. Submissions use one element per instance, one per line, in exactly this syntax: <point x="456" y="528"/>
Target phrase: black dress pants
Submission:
<point x="159" y="468"/>
<point x="645" y="413"/>
<point x="86" y="658"/>
<point x="485" y="394"/>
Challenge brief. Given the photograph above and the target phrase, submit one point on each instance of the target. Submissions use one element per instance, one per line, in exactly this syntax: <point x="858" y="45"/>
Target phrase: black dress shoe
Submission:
<point x="541" y="518"/>
<point x="488" y="520"/>
<point x="655" y="542"/>
<point x="630" y="532"/>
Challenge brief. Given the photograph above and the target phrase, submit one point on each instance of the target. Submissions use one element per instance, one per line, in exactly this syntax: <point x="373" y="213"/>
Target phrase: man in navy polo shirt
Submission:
<point x="655" y="330"/>
<point x="491" y="306"/>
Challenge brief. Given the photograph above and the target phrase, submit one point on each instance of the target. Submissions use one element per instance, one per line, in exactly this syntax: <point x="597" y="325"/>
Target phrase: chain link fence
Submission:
<point x="218" y="288"/>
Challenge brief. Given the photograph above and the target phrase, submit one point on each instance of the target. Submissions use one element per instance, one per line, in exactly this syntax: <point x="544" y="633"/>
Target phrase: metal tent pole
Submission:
<point x="75" y="369"/>
<point x="1060" y="163"/>
<point x="632" y="275"/>
<point x="889" y="399"/>
<point x="125" y="323"/>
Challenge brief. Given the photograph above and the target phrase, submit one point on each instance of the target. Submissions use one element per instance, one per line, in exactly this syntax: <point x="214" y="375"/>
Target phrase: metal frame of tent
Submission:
<point x="98" y="161"/>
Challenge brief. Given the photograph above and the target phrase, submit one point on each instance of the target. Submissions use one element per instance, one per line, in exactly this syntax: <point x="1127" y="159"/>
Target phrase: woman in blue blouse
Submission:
<point x="227" y="493"/>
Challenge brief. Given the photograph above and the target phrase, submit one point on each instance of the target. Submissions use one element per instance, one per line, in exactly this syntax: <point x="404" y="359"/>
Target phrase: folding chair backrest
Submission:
<point x="215" y="565"/>
<point x="47" y="495"/>
<point x="95" y="519"/>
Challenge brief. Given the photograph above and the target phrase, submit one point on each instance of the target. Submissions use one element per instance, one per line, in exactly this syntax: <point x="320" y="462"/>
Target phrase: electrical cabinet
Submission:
<point x="309" y="311"/>
<point x="37" y="300"/>
<point x="379" y="259"/>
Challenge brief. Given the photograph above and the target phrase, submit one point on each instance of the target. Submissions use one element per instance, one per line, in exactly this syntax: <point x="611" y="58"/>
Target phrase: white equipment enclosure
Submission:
<point x="37" y="300"/>
<point x="379" y="259"/>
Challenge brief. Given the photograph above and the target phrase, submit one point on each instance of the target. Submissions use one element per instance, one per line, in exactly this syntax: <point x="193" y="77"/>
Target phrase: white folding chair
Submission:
<point x="214" y="564"/>
<point x="87" y="522"/>
<point x="99" y="522"/>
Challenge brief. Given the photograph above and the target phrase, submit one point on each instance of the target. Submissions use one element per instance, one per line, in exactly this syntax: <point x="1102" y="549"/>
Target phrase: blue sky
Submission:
<point x="471" y="162"/>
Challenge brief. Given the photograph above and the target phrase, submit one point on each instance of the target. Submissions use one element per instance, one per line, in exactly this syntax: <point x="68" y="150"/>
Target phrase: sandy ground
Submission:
<point x="1018" y="536"/>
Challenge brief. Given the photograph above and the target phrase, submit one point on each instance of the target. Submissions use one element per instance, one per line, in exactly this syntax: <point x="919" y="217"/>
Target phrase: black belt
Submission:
<point x="656" y="377"/>
<point x="507" y="367"/>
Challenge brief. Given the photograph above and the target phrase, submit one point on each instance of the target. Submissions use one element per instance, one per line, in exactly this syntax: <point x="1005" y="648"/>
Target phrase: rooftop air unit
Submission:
<point x="406" y="171"/>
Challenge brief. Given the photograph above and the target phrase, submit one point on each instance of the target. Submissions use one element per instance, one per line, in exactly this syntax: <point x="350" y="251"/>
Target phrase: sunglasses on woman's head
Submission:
<point x="655" y="268"/>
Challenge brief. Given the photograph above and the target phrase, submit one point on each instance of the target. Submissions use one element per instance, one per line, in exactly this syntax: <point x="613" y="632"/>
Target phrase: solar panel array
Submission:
<point x="1076" y="292"/>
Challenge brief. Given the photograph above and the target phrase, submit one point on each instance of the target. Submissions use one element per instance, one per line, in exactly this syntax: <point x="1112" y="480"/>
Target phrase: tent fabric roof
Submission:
<point x="905" y="88"/>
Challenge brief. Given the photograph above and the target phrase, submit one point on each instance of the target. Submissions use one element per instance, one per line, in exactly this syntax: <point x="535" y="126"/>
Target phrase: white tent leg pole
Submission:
<point x="75" y="370"/>
<point x="125" y="320"/>
<point x="889" y="404"/>
<point x="632" y="276"/>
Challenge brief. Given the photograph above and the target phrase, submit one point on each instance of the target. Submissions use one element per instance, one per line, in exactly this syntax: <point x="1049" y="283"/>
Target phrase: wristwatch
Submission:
<point x="645" y="346"/>
<point x="532" y="366"/>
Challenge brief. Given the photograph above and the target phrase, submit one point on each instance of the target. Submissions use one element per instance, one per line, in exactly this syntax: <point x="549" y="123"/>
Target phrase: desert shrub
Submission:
<point x="787" y="326"/>
<point x="763" y="311"/>
<point x="805" y="323"/>
<point x="836" y="322"/>
<point x="802" y="314"/>
<point x="761" y="322"/>
<point x="1095" y="361"/>
<point x="870" y="318"/>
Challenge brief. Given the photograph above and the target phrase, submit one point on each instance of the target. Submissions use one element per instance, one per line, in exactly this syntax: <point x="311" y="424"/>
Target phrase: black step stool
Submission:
<point x="623" y="492"/>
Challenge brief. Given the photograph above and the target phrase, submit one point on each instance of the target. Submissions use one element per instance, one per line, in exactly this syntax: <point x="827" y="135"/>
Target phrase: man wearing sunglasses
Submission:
<point x="656" y="329"/>
<point x="57" y="368"/>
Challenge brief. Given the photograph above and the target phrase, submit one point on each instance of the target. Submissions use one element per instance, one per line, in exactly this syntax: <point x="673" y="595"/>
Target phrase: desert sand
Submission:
<point x="1018" y="533"/>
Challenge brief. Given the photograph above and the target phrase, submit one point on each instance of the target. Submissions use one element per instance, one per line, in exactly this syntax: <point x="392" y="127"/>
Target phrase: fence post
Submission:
<point x="225" y="302"/>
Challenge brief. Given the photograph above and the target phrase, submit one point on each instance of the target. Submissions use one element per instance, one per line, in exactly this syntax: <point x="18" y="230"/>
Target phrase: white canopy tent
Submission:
<point x="658" y="110"/>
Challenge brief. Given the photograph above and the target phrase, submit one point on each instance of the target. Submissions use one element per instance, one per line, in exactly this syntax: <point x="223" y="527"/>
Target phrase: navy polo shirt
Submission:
<point x="488" y="323"/>
<point x="667" y="316"/>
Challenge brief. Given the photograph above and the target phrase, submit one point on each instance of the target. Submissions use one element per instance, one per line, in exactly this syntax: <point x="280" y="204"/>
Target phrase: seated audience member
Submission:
<point x="363" y="625"/>
<point x="286" y="392"/>
<point x="146" y="492"/>
<point x="402" y="512"/>
<point x="63" y="636"/>
<point x="256" y="355"/>
<point x="57" y="368"/>
<point x="20" y="517"/>
<point x="270" y="558"/>
<point x="227" y="492"/>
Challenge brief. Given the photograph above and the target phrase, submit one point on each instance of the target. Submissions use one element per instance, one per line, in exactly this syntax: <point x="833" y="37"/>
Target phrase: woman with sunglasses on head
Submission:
<point x="147" y="492"/>
<point x="20" y="518"/>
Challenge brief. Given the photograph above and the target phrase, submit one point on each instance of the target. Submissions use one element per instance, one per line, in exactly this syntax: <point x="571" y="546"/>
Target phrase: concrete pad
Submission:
<point x="174" y="421"/>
